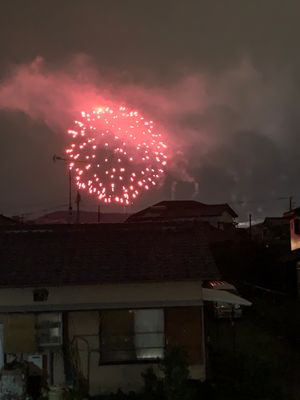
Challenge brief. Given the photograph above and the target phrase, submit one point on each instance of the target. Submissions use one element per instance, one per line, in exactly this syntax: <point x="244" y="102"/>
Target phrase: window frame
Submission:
<point x="136" y="360"/>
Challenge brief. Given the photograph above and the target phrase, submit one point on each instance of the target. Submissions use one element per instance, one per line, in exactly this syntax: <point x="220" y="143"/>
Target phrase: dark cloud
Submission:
<point x="221" y="76"/>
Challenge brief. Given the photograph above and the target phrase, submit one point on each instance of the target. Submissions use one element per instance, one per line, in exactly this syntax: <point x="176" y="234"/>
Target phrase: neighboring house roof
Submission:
<point x="180" y="209"/>
<point x="108" y="253"/>
<point x="276" y="221"/>
<point x="5" y="221"/>
<point x="292" y="213"/>
<point x="274" y="228"/>
<point x="272" y="222"/>
<point x="85" y="217"/>
<point x="213" y="234"/>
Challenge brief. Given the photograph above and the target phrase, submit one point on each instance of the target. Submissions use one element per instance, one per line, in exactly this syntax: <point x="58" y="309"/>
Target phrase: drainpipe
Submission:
<point x="66" y="348"/>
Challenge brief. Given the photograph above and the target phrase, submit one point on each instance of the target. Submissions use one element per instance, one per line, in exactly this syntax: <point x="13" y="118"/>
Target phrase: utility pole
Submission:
<point x="290" y="199"/>
<point x="250" y="226"/>
<point x="78" y="200"/>
<point x="98" y="215"/>
<point x="70" y="196"/>
<point x="291" y="202"/>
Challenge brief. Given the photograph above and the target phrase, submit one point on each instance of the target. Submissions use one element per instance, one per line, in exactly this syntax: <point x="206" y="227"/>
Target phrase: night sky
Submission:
<point x="223" y="77"/>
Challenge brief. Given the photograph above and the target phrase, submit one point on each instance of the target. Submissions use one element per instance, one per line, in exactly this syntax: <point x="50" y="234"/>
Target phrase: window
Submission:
<point x="149" y="334"/>
<point x="131" y="335"/>
<point x="49" y="330"/>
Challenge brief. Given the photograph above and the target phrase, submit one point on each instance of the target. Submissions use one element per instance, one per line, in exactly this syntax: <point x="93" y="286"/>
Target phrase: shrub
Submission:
<point x="175" y="382"/>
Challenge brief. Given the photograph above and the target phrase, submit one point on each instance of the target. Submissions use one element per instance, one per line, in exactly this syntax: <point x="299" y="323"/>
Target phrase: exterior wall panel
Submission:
<point x="184" y="328"/>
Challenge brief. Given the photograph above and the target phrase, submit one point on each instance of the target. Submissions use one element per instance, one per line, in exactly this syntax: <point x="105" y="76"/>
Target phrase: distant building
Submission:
<point x="221" y="216"/>
<point x="293" y="217"/>
<point x="292" y="259"/>
<point x="273" y="230"/>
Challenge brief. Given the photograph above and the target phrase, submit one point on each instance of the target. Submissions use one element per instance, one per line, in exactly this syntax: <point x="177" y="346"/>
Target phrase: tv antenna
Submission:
<point x="78" y="198"/>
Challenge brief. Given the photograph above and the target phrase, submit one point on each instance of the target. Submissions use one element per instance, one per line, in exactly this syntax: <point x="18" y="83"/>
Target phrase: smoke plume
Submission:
<point x="225" y="129"/>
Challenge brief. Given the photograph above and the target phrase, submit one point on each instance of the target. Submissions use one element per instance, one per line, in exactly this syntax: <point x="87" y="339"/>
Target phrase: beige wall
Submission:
<point x="103" y="378"/>
<point x="103" y="296"/>
<point x="84" y="326"/>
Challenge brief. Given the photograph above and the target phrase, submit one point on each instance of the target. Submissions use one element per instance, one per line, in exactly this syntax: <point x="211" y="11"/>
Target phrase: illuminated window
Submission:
<point x="131" y="335"/>
<point x="49" y="330"/>
<point x="149" y="334"/>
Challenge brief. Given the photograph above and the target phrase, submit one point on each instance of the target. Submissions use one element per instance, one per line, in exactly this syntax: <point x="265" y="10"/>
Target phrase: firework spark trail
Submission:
<point x="123" y="154"/>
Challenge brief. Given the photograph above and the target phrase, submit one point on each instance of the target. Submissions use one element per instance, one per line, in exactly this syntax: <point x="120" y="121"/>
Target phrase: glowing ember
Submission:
<point x="116" y="154"/>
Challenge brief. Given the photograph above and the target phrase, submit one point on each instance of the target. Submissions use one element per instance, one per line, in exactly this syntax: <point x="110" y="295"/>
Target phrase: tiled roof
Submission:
<point x="108" y="253"/>
<point x="180" y="209"/>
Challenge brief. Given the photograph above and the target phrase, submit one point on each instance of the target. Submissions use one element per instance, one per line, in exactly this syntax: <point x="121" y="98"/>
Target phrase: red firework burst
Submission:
<point x="116" y="154"/>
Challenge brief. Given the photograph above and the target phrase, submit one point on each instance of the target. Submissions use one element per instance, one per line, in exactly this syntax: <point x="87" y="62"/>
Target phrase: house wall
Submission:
<point x="184" y="327"/>
<point x="295" y="237"/>
<point x="224" y="218"/>
<point x="17" y="308"/>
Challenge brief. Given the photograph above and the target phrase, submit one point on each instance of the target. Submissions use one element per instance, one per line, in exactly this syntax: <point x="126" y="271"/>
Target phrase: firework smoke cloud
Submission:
<point x="204" y="120"/>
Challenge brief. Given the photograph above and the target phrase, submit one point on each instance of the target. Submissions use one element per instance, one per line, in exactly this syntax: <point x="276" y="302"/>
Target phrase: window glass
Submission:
<point x="149" y="333"/>
<point x="130" y="335"/>
<point x="117" y="336"/>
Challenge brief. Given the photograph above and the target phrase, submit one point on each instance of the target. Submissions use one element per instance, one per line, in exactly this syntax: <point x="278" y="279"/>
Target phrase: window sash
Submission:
<point x="142" y="339"/>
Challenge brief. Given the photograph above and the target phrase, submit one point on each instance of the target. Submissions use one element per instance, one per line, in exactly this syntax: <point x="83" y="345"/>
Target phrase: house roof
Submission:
<point x="276" y="221"/>
<point x="5" y="221"/>
<point x="107" y="253"/>
<point x="292" y="213"/>
<point x="272" y="222"/>
<point x="180" y="209"/>
<point x="85" y="217"/>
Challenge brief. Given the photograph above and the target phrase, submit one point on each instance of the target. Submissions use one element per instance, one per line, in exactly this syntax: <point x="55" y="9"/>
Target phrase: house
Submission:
<point x="293" y="217"/>
<point x="274" y="254"/>
<point x="292" y="259"/>
<point x="272" y="231"/>
<point x="221" y="216"/>
<point x="100" y="303"/>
